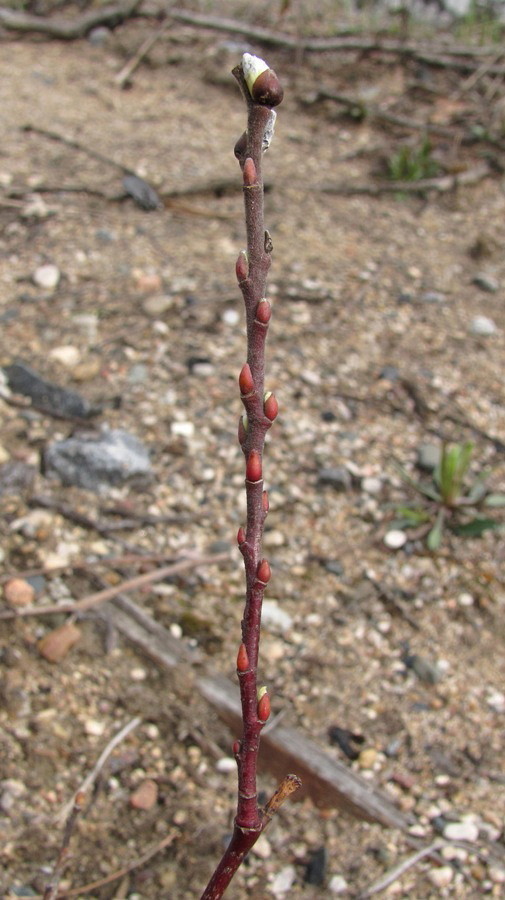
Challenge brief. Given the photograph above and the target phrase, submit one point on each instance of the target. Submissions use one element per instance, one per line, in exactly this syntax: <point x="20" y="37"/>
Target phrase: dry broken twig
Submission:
<point x="438" y="185"/>
<point x="132" y="584"/>
<point x="68" y="29"/>
<point x="102" y="759"/>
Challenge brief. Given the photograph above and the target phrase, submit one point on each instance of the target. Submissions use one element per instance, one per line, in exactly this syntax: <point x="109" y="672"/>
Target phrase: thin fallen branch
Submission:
<point x="109" y="593"/>
<point x="373" y="113"/>
<point x="123" y="77"/>
<point x="97" y="768"/>
<point x="465" y="59"/>
<point x="76" y="145"/>
<point x="399" y="870"/>
<point x="438" y="185"/>
<point x="76" y="806"/>
<point x="68" y="29"/>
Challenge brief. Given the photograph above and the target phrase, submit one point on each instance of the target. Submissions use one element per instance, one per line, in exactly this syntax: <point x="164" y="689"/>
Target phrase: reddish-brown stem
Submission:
<point x="260" y="411"/>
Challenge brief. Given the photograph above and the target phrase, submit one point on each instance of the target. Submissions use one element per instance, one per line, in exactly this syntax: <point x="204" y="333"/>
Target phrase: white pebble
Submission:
<point x="496" y="700"/>
<point x="183" y="429"/>
<point x="461" y="831"/>
<point x="275" y="617"/>
<point x="441" y="877"/>
<point x="497" y="874"/>
<point x="47" y="276"/>
<point x="465" y="599"/>
<point x="231" y="316"/>
<point x="262" y="848"/>
<point x="371" y="485"/>
<point x="395" y="539"/>
<point x="138" y="674"/>
<point x="226" y="764"/>
<point x="67" y="356"/>
<point x="176" y="630"/>
<point x="94" y="728"/>
<point x="482" y="326"/>
<point x="337" y="885"/>
<point x="283" y="881"/>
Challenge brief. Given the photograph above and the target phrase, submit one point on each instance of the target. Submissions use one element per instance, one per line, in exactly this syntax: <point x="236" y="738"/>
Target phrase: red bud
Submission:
<point x="253" y="470"/>
<point x="263" y="312"/>
<point x="271" y="407"/>
<point x="241" y="536"/>
<point x="264" y="708"/>
<point x="249" y="173"/>
<point x="242" y="659"/>
<point x="235" y="749"/>
<point x="265" y="503"/>
<point x="241" y="267"/>
<point x="245" y="381"/>
<point x="264" y="572"/>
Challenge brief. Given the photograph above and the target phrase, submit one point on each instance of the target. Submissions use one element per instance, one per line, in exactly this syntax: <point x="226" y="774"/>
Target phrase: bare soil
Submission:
<point x="371" y="354"/>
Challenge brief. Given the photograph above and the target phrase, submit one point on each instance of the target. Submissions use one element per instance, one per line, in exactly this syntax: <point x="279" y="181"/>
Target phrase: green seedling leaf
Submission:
<point x="410" y="516"/>
<point x="453" y="467"/>
<point x="434" y="538"/>
<point x="476" y="527"/>
<point x="425" y="490"/>
<point x="495" y="500"/>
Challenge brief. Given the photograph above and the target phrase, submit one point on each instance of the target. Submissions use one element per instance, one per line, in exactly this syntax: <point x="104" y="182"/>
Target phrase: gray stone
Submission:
<point x="482" y="326"/>
<point x="425" y="670"/>
<point x="428" y="457"/>
<point x="46" y="396"/>
<point x="486" y="283"/>
<point x="433" y="297"/>
<point x="337" y="476"/>
<point x="95" y="461"/>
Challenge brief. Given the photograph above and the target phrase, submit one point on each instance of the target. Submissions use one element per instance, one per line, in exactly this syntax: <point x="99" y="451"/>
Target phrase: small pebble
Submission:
<point x="138" y="674"/>
<point x="497" y="874"/>
<point x="55" y="645"/>
<point x="482" y="326"/>
<point x="486" y="283"/>
<point x="337" y="885"/>
<point x="68" y="355"/>
<point x="496" y="700"/>
<point x="461" y="831"/>
<point x="432" y="297"/>
<point x="428" y="457"/>
<point x="395" y="539"/>
<point x="441" y="877"/>
<point x="262" y="848"/>
<point x="371" y="485"/>
<point x="47" y="276"/>
<point x="274" y="617"/>
<point x="337" y="476"/>
<point x="226" y="764"/>
<point x="156" y="306"/>
<point x="274" y="538"/>
<point x="231" y="316"/>
<point x="367" y="758"/>
<point x="183" y="429"/>
<point x="465" y="599"/>
<point x="94" y="727"/>
<point x="283" y="881"/>
<point x="145" y="796"/>
<point x="17" y="592"/>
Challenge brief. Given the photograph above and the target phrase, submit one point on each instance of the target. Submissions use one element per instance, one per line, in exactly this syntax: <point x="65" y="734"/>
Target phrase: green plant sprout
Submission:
<point x="448" y="502"/>
<point x="413" y="163"/>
